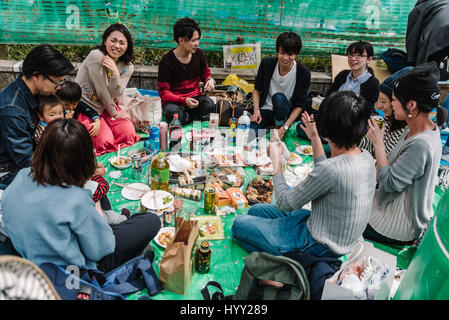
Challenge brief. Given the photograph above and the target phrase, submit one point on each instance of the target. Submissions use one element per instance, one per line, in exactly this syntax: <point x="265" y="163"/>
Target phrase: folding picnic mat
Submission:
<point x="227" y="255"/>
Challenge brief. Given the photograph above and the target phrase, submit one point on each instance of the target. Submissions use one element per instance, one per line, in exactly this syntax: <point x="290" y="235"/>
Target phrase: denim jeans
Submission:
<point x="278" y="116"/>
<point x="266" y="228"/>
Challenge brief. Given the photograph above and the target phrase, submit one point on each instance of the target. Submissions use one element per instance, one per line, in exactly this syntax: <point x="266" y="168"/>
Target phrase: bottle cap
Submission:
<point x="175" y="116"/>
<point x="204" y="245"/>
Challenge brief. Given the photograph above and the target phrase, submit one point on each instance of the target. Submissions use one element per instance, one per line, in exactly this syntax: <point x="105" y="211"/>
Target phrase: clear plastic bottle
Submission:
<point x="232" y="131"/>
<point x="175" y="133"/>
<point x="243" y="129"/>
<point x="160" y="173"/>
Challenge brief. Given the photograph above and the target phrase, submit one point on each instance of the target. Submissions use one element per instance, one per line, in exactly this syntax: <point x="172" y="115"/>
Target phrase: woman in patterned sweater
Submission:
<point x="393" y="127"/>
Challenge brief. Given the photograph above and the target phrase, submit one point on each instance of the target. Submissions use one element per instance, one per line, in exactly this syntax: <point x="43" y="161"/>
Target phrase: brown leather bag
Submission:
<point x="230" y="109"/>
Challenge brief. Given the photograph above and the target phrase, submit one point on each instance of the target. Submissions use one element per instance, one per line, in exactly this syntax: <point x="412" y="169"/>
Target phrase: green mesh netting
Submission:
<point x="325" y="26"/>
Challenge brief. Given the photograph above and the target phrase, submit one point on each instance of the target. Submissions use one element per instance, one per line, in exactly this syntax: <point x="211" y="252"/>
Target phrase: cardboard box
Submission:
<point x="221" y="197"/>
<point x="238" y="200"/>
<point x="333" y="291"/>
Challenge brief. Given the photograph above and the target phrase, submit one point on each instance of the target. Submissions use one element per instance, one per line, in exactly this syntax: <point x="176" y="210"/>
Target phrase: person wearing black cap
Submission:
<point x="403" y="203"/>
<point x="393" y="127"/>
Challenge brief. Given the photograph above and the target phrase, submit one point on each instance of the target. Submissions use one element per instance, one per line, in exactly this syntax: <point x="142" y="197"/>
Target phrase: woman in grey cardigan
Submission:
<point x="403" y="203"/>
<point x="341" y="189"/>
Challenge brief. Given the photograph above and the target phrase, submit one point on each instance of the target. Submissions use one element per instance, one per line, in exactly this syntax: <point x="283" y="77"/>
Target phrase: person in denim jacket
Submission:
<point x="43" y="72"/>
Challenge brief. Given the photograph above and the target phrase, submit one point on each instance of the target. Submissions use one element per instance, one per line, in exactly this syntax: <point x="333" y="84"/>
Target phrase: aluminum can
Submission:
<point x="168" y="215"/>
<point x="209" y="200"/>
<point x="137" y="166"/>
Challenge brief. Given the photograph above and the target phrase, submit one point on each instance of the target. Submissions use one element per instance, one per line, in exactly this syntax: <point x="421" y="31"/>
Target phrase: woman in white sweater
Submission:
<point x="103" y="76"/>
<point x="403" y="203"/>
<point x="341" y="189"/>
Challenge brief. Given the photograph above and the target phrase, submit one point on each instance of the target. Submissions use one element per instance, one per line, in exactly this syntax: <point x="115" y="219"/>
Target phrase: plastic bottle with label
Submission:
<point x="160" y="173"/>
<point x="243" y="129"/>
<point x="154" y="143"/>
<point x="232" y="131"/>
<point x="175" y="133"/>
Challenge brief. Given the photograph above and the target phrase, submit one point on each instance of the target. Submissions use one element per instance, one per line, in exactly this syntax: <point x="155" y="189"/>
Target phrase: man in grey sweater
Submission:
<point x="341" y="189"/>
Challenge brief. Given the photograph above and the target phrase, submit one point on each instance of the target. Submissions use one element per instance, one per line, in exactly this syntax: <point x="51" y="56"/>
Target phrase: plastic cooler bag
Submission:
<point x="427" y="277"/>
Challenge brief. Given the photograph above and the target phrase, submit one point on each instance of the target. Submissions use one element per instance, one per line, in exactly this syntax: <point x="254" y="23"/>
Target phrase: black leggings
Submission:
<point x="131" y="238"/>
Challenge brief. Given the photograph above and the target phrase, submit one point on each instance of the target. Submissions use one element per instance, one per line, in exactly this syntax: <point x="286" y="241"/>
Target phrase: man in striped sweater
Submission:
<point x="179" y="75"/>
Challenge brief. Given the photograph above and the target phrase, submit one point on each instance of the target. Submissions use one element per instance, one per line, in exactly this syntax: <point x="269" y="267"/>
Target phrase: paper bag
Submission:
<point x="144" y="111"/>
<point x="178" y="262"/>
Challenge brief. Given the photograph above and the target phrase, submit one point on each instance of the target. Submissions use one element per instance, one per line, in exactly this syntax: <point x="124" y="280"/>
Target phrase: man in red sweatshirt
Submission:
<point x="180" y="73"/>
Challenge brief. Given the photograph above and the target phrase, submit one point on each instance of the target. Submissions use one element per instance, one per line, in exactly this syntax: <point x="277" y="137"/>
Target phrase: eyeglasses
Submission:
<point x="61" y="83"/>
<point x="356" y="55"/>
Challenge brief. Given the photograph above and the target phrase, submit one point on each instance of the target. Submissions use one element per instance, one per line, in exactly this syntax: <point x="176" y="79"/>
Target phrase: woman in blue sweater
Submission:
<point x="51" y="218"/>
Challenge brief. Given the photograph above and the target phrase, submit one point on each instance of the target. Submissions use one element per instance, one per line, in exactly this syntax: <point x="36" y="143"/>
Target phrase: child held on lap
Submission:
<point x="49" y="109"/>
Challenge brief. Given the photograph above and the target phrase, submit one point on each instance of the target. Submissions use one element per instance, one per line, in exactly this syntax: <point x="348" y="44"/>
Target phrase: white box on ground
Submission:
<point x="333" y="291"/>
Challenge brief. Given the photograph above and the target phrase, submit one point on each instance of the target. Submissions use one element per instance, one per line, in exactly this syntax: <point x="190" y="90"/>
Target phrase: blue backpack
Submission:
<point x="93" y="284"/>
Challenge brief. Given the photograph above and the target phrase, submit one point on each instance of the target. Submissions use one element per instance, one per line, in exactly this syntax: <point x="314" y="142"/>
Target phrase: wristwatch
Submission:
<point x="285" y="127"/>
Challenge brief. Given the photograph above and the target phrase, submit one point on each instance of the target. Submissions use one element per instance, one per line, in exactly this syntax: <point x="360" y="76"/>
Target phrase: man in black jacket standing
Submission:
<point x="281" y="86"/>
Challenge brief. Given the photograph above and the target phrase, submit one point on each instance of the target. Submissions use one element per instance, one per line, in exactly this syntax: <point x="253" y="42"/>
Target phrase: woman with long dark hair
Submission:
<point x="103" y="76"/>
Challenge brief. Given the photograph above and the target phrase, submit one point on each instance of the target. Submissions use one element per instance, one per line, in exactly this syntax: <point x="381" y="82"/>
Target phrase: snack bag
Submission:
<point x="238" y="200"/>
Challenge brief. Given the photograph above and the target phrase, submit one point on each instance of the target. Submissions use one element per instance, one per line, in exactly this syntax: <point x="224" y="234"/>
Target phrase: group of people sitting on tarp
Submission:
<point x="368" y="181"/>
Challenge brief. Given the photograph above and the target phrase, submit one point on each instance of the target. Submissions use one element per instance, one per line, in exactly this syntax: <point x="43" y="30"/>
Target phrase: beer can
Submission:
<point x="137" y="166"/>
<point x="209" y="200"/>
<point x="379" y="120"/>
<point x="168" y="215"/>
